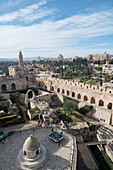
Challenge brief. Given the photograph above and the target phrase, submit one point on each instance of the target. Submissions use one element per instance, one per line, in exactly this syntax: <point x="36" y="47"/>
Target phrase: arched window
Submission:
<point x="63" y="91"/>
<point x="39" y="85"/>
<point x="37" y="152"/>
<point x="67" y="92"/>
<point x="25" y="153"/>
<point x="79" y="96"/>
<point x="26" y="78"/>
<point x="101" y="103"/>
<point x="85" y="98"/>
<point x="110" y="106"/>
<point x="27" y="86"/>
<point x="13" y="87"/>
<point x="58" y="90"/>
<point x="73" y="94"/>
<point x="93" y="100"/>
<point x="51" y="88"/>
<point x="4" y="88"/>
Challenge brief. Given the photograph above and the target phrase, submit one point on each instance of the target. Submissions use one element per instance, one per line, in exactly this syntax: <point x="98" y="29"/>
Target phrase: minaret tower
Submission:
<point x="21" y="60"/>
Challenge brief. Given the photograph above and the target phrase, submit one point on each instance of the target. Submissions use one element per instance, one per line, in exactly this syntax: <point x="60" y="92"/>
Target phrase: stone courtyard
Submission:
<point x="58" y="157"/>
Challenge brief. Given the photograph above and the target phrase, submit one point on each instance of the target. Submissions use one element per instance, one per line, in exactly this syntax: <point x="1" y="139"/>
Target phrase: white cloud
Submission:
<point x="13" y="2"/>
<point x="57" y="36"/>
<point x="29" y="13"/>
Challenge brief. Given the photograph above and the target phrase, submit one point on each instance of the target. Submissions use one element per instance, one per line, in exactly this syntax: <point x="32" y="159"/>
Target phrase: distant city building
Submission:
<point x="68" y="59"/>
<point x="60" y="57"/>
<point x="75" y="57"/>
<point x="38" y="58"/>
<point x="95" y="57"/>
<point x="107" y="69"/>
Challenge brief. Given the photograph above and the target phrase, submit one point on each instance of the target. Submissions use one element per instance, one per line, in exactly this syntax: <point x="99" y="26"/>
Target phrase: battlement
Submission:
<point x="97" y="88"/>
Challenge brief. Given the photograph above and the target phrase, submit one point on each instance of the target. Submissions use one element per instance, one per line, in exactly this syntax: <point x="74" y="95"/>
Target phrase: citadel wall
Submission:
<point x="99" y="97"/>
<point x="12" y="84"/>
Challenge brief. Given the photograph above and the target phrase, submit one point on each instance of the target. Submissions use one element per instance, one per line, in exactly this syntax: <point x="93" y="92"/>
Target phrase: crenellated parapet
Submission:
<point x="90" y="94"/>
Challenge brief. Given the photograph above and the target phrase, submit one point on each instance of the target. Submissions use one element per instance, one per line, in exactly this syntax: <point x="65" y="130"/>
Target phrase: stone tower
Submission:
<point x="21" y="60"/>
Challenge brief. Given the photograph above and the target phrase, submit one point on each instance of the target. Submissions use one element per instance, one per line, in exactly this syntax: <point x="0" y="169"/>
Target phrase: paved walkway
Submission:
<point x="58" y="157"/>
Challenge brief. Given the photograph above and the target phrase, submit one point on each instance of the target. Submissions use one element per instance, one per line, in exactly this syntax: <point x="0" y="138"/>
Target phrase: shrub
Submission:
<point x="4" y="105"/>
<point x="14" y="97"/>
<point x="33" y="111"/>
<point x="70" y="105"/>
<point x="15" y="121"/>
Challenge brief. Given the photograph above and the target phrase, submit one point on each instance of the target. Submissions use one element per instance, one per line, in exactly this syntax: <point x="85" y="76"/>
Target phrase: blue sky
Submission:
<point x="47" y="28"/>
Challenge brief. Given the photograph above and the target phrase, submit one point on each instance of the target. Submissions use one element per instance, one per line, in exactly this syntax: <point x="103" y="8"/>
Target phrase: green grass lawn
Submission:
<point x="85" y="109"/>
<point x="98" y="68"/>
<point x="107" y="160"/>
<point x="70" y="117"/>
<point x="33" y="111"/>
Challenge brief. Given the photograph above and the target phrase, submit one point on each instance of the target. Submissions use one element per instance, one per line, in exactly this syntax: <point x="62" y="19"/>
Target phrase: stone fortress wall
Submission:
<point x="12" y="84"/>
<point x="95" y="57"/>
<point x="99" y="97"/>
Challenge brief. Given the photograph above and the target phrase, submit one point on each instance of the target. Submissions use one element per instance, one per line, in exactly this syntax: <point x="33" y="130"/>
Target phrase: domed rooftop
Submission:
<point x="31" y="144"/>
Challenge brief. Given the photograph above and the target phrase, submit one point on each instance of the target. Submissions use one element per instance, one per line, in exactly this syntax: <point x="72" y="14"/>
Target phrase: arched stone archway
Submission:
<point x="73" y="94"/>
<point x="13" y="87"/>
<point x="85" y="98"/>
<point x="110" y="106"/>
<point x="58" y="90"/>
<point x="67" y="92"/>
<point x="29" y="95"/>
<point x="4" y="88"/>
<point x="101" y="103"/>
<point x="79" y="96"/>
<point x="63" y="91"/>
<point x="51" y="88"/>
<point x="93" y="100"/>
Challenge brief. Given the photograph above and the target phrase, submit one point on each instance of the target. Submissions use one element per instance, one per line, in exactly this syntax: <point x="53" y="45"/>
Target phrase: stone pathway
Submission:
<point x="85" y="160"/>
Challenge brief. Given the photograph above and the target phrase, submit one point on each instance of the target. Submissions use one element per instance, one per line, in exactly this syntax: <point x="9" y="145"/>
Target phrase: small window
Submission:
<point x="37" y="152"/>
<point x="87" y="87"/>
<point x="25" y="153"/>
<point x="109" y="91"/>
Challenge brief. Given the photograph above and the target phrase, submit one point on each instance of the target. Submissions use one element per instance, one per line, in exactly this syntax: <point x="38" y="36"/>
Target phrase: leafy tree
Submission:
<point x="35" y="90"/>
<point x="14" y="97"/>
<point x="4" y="105"/>
<point x="70" y="105"/>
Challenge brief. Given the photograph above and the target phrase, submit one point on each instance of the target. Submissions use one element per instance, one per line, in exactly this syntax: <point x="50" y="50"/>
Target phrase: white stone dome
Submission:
<point x="32" y="155"/>
<point x="31" y="144"/>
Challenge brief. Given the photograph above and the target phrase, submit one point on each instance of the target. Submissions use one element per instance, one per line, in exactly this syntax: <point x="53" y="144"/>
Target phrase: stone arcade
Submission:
<point x="32" y="155"/>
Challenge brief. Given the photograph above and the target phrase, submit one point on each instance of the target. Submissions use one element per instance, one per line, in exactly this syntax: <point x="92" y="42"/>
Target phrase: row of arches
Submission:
<point x="85" y="98"/>
<point x="4" y="87"/>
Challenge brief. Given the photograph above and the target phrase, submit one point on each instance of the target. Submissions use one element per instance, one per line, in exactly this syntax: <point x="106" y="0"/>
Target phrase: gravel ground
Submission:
<point x="57" y="156"/>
